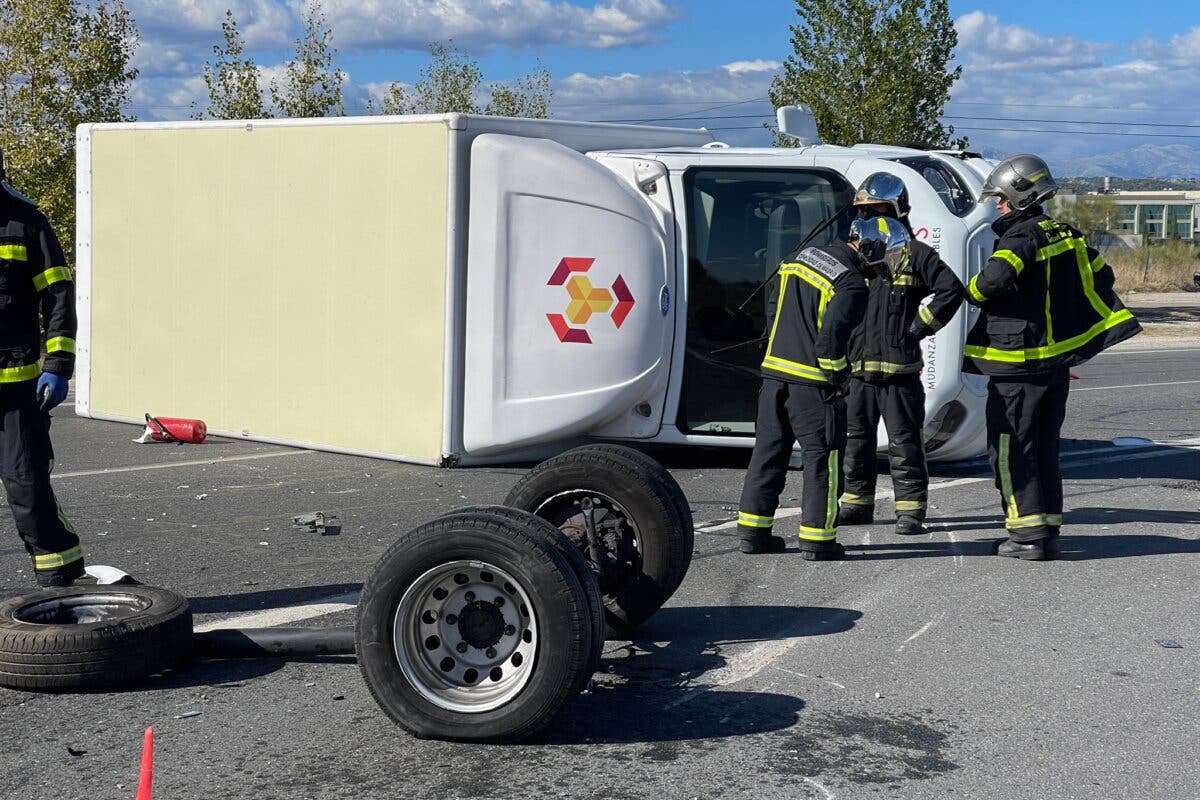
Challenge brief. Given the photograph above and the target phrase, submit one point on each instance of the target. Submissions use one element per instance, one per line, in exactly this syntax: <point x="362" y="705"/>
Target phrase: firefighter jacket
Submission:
<point x="821" y="296"/>
<point x="37" y="294"/>
<point x="1047" y="300"/>
<point x="883" y="345"/>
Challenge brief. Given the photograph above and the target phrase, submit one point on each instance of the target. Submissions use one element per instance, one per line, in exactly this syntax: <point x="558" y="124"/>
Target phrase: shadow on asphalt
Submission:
<point x="651" y="689"/>
<point x="267" y="598"/>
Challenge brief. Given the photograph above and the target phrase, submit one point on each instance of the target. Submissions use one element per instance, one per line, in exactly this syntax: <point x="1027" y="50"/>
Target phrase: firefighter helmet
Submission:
<point x="882" y="244"/>
<point x="886" y="189"/>
<point x="1022" y="180"/>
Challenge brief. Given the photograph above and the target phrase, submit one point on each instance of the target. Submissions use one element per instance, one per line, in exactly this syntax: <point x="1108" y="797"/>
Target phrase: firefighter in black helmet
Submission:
<point x="820" y="298"/>
<point x="1048" y="304"/>
<point x="885" y="367"/>
<point x="36" y="294"/>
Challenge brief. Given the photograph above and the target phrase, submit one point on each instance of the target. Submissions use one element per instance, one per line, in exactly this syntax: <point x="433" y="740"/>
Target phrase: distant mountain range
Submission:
<point x="1144" y="161"/>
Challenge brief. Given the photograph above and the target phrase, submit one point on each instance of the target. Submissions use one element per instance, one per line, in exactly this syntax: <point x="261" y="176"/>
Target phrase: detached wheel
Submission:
<point x="472" y="627"/>
<point x="644" y="548"/>
<point x="672" y="488"/>
<point x="91" y="637"/>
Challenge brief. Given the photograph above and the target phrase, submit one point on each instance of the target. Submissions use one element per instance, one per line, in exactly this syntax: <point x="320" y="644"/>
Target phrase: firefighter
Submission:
<point x="821" y="295"/>
<point x="1048" y="304"/>
<point x="885" y="367"/>
<point x="36" y="293"/>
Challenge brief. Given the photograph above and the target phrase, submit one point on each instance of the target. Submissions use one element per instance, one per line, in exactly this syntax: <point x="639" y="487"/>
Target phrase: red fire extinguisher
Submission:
<point x="176" y="429"/>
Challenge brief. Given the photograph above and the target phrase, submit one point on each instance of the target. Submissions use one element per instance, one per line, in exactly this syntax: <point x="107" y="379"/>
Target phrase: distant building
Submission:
<point x="1158" y="215"/>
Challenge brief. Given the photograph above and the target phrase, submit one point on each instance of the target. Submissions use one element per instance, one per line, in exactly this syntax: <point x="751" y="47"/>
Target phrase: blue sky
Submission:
<point x="1061" y="63"/>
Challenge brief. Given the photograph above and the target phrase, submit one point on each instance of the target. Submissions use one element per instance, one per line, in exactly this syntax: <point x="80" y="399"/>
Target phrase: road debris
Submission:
<point x="1172" y="644"/>
<point x="318" y="522"/>
<point x="188" y="714"/>
<point x="75" y="750"/>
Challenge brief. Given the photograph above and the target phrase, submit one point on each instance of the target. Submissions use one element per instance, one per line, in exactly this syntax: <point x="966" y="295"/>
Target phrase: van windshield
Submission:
<point x="741" y="224"/>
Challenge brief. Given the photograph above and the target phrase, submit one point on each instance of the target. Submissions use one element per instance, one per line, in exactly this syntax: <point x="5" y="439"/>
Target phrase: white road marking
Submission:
<point x="828" y="794"/>
<point x="1119" y="351"/>
<point x="58" y="476"/>
<point x="1130" y="386"/>
<point x="787" y="671"/>
<point x="920" y="632"/>
<point x="273" y="617"/>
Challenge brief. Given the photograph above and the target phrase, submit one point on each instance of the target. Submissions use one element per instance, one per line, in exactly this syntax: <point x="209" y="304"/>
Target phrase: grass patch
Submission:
<point x="1166" y="267"/>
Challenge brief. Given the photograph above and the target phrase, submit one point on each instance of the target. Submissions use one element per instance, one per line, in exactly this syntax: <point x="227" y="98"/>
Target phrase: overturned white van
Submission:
<point x="464" y="289"/>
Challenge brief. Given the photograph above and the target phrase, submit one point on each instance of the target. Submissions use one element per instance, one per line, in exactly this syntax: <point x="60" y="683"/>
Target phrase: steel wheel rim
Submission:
<point x="443" y="633"/>
<point x="573" y="525"/>
<point x="81" y="609"/>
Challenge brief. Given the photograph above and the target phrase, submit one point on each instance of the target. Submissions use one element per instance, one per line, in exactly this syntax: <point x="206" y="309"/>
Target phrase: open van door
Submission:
<point x="569" y="314"/>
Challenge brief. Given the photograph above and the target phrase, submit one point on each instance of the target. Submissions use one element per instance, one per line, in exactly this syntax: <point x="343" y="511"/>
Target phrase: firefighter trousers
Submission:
<point x="26" y="459"/>
<point x="814" y="416"/>
<point x="1024" y="422"/>
<point x="900" y="401"/>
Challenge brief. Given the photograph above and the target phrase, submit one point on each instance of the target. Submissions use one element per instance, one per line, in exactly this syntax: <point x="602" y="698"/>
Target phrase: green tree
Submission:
<point x="448" y="84"/>
<point x="871" y="70"/>
<point x="1092" y="214"/>
<point x="62" y="63"/>
<point x="312" y="85"/>
<point x="451" y="83"/>
<point x="529" y="97"/>
<point x="232" y="79"/>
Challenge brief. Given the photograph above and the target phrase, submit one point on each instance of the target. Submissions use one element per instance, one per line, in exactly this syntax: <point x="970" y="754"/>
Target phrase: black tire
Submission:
<point x="678" y="498"/>
<point x="652" y="548"/>
<point x="560" y="648"/>
<point x="44" y="646"/>
<point x="579" y="565"/>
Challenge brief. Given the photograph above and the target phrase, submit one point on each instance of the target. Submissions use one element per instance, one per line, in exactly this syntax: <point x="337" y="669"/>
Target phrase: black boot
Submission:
<point x="761" y="542"/>
<point x="850" y="514"/>
<point x="822" y="551"/>
<point x="909" y="526"/>
<point x="1034" y="550"/>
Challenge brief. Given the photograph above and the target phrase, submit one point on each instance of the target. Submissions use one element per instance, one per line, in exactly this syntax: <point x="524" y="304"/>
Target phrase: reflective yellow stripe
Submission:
<point x="904" y="279"/>
<point x="1011" y="258"/>
<point x="1038" y="353"/>
<point x="51" y="276"/>
<point x="856" y="500"/>
<point x="886" y="367"/>
<point x="754" y="520"/>
<point x="973" y="288"/>
<point x="1006" y="487"/>
<point x="14" y="252"/>
<point x="831" y="497"/>
<point x="818" y="282"/>
<point x="1086" y="277"/>
<point x="817" y="534"/>
<point x="1054" y="519"/>
<point x="1098" y="263"/>
<point x="910" y="505"/>
<point x="794" y="368"/>
<point x="18" y="374"/>
<point x="1032" y="521"/>
<point x="60" y="344"/>
<point x="832" y="366"/>
<point x="1051" y="250"/>
<point x="929" y="319"/>
<point x="56" y="560"/>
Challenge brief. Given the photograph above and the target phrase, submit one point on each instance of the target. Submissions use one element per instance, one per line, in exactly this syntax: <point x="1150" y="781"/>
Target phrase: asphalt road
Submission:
<point x="916" y="668"/>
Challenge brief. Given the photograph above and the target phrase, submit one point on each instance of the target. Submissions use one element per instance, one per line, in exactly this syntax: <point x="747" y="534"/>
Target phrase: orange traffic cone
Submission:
<point x="146" y="778"/>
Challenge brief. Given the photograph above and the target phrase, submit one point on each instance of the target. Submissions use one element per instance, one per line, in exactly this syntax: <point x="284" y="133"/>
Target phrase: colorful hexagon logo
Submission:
<point x="585" y="300"/>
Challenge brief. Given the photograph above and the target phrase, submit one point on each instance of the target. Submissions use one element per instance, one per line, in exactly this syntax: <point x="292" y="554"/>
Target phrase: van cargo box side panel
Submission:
<point x="284" y="283"/>
<point x="568" y="325"/>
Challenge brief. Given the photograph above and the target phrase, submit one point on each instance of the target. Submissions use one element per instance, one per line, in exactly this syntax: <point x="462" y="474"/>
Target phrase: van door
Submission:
<point x="569" y="315"/>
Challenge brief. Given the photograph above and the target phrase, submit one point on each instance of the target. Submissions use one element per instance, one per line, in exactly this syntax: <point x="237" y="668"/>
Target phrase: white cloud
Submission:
<point x="990" y="45"/>
<point x="757" y="65"/>
<point x="1186" y="46"/>
<point x="481" y="24"/>
<point x="262" y="23"/>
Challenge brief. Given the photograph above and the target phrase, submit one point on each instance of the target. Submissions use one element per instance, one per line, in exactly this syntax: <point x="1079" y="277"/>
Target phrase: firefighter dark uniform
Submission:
<point x="1048" y="304"/>
<point x="821" y="296"/>
<point x="36" y="293"/>
<point x="885" y="364"/>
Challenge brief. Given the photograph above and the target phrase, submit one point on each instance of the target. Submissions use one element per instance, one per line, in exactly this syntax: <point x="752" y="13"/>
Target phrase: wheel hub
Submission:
<point x="481" y="624"/>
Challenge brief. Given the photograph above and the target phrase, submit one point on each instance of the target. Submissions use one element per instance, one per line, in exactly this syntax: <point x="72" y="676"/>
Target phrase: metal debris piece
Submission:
<point x="187" y="714"/>
<point x="75" y="751"/>
<point x="1173" y="644"/>
<point x="318" y="522"/>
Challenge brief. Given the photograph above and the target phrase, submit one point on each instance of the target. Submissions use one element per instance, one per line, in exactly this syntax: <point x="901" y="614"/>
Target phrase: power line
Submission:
<point x="1079" y="133"/>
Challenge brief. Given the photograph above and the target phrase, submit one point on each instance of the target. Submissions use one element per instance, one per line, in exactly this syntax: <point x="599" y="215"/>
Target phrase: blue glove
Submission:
<point x="51" y="390"/>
